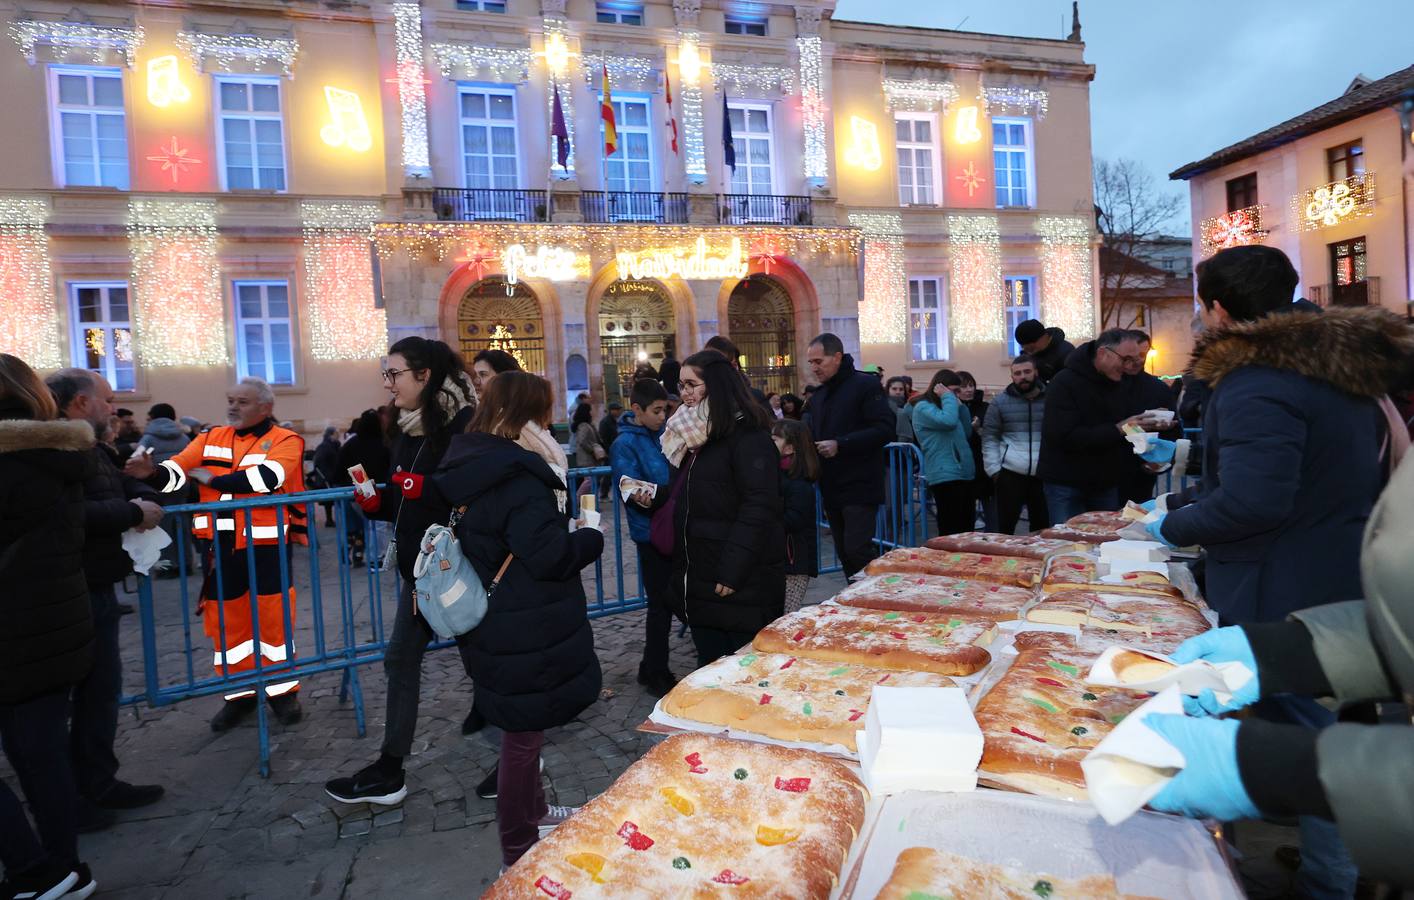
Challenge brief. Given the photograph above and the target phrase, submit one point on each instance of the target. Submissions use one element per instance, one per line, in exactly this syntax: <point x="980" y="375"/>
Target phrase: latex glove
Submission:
<point x="370" y="503"/>
<point x="1156" y="531"/>
<point x="1148" y="505"/>
<point x="1219" y="646"/>
<point x="1160" y="451"/>
<point x="1209" y="785"/>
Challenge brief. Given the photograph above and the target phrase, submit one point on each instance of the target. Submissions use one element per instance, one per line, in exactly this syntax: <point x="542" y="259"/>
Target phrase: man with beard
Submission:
<point x="1011" y="447"/>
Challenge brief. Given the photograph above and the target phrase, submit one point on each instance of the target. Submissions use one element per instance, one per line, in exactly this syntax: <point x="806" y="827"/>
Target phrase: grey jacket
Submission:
<point x="1011" y="433"/>
<point x="165" y="437"/>
<point x="905" y="420"/>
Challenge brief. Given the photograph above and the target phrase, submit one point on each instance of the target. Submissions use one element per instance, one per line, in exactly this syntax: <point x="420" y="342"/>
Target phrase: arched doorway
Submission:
<point x="498" y="316"/>
<point x="761" y="322"/>
<point x="636" y="325"/>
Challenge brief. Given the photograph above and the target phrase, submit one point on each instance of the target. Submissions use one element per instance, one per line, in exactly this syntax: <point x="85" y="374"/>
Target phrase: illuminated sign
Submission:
<point x="1331" y="204"/>
<point x="174" y="159"/>
<point x="864" y="151"/>
<point x="693" y="264"/>
<point x="347" y="125"/>
<point x="549" y="263"/>
<point x="966" y="130"/>
<point x="1233" y="229"/>
<point x="164" y="83"/>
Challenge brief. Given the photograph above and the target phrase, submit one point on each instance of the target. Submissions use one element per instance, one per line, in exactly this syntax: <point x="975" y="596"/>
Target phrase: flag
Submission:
<point x="561" y="133"/>
<point x="728" y="151"/>
<point x="606" y="112"/>
<point x="672" y="116"/>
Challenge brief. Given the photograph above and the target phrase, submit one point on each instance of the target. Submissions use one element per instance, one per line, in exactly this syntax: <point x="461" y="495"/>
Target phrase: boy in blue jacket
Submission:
<point x="637" y="454"/>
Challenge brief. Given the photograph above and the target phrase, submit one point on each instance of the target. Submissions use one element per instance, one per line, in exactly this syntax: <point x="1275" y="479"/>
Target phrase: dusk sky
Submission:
<point x="1176" y="81"/>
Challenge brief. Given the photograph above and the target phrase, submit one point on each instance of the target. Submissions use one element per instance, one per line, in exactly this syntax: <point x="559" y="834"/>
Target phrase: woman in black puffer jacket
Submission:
<point x="46" y="626"/>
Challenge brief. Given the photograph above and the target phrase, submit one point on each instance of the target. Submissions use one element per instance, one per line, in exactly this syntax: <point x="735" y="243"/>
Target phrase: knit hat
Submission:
<point x="1028" y="331"/>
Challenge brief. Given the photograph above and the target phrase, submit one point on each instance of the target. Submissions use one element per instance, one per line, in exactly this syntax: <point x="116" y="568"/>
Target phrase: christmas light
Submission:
<point x="412" y="93"/>
<point x="164" y="83"/>
<point x="179" y="311"/>
<point x="1234" y="229"/>
<point x="966" y="131"/>
<point x="863" y="150"/>
<point x="812" y="107"/>
<point x="753" y="81"/>
<point x="883" y="312"/>
<point x="549" y="263"/>
<point x="555" y="32"/>
<point x="975" y="254"/>
<point x="225" y="50"/>
<point x="174" y="159"/>
<point x="970" y="178"/>
<point x="693" y="264"/>
<point x="347" y="126"/>
<point x="338" y="267"/>
<point x="1067" y="278"/>
<point x="505" y="64"/>
<point x="1331" y="204"/>
<point x="97" y="40"/>
<point x="1007" y="99"/>
<point x="918" y="95"/>
<point x="689" y="59"/>
<point x="628" y="72"/>
<point x="29" y="318"/>
<point x="690" y="99"/>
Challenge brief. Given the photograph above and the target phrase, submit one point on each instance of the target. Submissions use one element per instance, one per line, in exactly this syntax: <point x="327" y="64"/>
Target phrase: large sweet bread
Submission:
<point x="942" y="594"/>
<point x="701" y="817"/>
<point x="920" y="642"/>
<point x="922" y="872"/>
<point x="1027" y="546"/>
<point x="1125" y="614"/>
<point x="1079" y="571"/>
<point x="1012" y="570"/>
<point x="1089" y="528"/>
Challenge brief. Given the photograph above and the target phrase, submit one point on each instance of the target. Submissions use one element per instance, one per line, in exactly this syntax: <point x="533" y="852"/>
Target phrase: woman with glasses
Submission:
<point x="432" y="394"/>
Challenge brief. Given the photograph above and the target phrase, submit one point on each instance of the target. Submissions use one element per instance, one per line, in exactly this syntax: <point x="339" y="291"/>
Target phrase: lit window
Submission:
<point x="101" y="331"/>
<point x="252" y="134"/>
<point x="264" y="338"/>
<point x="751" y="140"/>
<point x="927" y="319"/>
<point x="631" y="166"/>
<point x="743" y="24"/>
<point x="489" y="154"/>
<point x="1011" y="162"/>
<point x="916" y="139"/>
<point x="491" y="6"/>
<point x="1020" y="305"/>
<point x="619" y="13"/>
<point x="88" y="127"/>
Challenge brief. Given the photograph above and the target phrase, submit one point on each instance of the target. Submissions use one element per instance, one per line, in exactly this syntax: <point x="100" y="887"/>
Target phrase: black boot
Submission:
<point x="232" y="713"/>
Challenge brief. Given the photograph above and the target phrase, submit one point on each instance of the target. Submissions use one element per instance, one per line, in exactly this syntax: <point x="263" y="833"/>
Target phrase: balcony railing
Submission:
<point x="490" y="205"/>
<point x="773" y="209"/>
<point x="1358" y="293"/>
<point x="633" y="206"/>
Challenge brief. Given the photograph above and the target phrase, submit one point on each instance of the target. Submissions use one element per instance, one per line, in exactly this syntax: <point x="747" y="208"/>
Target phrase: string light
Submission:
<point x="690" y="97"/>
<point x="918" y="95"/>
<point x="179" y="312"/>
<point x="98" y="40"/>
<point x="1233" y="229"/>
<point x="754" y="80"/>
<point x="412" y="94"/>
<point x="549" y="263"/>
<point x="1067" y="278"/>
<point x="556" y="32"/>
<point x="1011" y="99"/>
<point x="465" y="60"/>
<point x="692" y="264"/>
<point x="228" y="49"/>
<point x="338" y="267"/>
<point x="975" y="253"/>
<point x="812" y="107"/>
<point x="883" y="313"/>
<point x="863" y="150"/>
<point x="624" y="71"/>
<point x="29" y="320"/>
<point x="1331" y="204"/>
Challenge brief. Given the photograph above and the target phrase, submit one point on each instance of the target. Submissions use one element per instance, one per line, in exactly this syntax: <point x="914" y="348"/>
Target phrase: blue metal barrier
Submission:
<point x="902" y="520"/>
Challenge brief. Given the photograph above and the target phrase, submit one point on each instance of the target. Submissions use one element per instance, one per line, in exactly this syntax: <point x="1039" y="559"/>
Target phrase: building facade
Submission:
<point x="282" y="189"/>
<point x="1329" y="187"/>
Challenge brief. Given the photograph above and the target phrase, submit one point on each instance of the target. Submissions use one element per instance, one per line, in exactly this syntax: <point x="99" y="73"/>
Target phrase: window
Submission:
<point x="264" y="346"/>
<point x="488" y="124"/>
<point x="631" y="166"/>
<point x="751" y="139"/>
<point x="737" y="23"/>
<point x="915" y="136"/>
<point x="101" y="331"/>
<point x="88" y="127"/>
<point x="1011" y="162"/>
<point x="1242" y="192"/>
<point x="619" y="13"/>
<point x="493" y="6"/>
<point x="252" y="134"/>
<point x="1020" y="305"/>
<point x="1346" y="161"/>
<point x="927" y="319"/>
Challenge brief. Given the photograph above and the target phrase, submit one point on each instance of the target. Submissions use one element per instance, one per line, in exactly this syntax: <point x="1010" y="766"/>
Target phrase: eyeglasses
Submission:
<point x="689" y="386"/>
<point x="391" y="375"/>
<point x="1127" y="360"/>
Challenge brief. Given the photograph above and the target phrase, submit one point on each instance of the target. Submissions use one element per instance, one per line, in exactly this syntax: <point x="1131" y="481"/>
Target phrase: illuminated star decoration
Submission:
<point x="971" y="178"/>
<point x="174" y="159"/>
<point x="765" y="258"/>
<point x="476" y="261"/>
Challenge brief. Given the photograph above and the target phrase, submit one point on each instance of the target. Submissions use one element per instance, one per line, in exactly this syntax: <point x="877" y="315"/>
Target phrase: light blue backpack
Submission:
<point x="449" y="594"/>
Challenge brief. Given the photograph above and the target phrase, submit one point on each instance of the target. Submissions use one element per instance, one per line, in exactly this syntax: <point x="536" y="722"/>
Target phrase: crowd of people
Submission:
<point x="719" y="484"/>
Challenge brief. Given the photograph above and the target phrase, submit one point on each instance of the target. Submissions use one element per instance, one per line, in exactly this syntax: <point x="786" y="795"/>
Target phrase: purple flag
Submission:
<point x="561" y="133"/>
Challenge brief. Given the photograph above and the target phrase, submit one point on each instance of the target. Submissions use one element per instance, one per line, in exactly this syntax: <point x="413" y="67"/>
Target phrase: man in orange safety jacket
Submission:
<point x="249" y="458"/>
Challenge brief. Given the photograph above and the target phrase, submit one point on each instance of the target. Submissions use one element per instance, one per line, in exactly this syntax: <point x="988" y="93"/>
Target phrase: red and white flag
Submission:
<point x="672" y="115"/>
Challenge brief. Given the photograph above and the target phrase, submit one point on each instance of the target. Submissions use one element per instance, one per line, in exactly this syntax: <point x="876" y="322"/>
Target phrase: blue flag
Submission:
<point x="561" y="133"/>
<point x="728" y="151"/>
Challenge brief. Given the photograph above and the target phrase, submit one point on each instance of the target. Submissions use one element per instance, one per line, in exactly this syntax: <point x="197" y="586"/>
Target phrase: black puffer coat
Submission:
<point x="851" y="408"/>
<point x="108" y="513"/>
<point x="532" y="657"/>
<point x="730" y="512"/>
<point x="1081" y="444"/>
<point x="46" y="626"/>
<point x="413" y="453"/>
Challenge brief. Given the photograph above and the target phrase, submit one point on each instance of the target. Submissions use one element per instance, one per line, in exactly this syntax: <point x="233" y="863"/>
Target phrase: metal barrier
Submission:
<point x="902" y="520"/>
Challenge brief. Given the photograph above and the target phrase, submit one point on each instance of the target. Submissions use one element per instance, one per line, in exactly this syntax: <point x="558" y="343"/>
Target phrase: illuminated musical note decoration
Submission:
<point x="347" y="127"/>
<point x="164" y="83"/>
<point x="864" y="151"/>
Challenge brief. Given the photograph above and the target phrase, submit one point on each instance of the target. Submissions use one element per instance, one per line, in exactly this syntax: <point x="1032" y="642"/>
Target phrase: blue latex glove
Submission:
<point x="1156" y="531"/>
<point x="1148" y="505"/>
<point x="1210" y="784"/>
<point x="1160" y="451"/>
<point x="1219" y="646"/>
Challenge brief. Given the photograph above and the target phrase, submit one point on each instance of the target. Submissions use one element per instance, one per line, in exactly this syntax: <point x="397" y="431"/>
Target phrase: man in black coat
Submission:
<point x="851" y="421"/>
<point x="113" y="503"/>
<point x="1047" y="346"/>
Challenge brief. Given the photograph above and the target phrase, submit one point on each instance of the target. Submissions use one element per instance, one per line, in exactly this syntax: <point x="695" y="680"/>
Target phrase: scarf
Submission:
<point x="538" y="441"/>
<point x="685" y="432"/>
<point x="410" y="420"/>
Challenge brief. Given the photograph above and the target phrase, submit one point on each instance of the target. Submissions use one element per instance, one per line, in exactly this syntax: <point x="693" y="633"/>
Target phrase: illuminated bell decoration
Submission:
<point x="1331" y="204"/>
<point x="347" y="127"/>
<point x="864" y="147"/>
<point x="966" y="130"/>
<point x="164" y="83"/>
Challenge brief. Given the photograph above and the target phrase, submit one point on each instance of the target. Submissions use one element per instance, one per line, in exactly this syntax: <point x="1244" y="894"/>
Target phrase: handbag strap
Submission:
<point x="500" y="573"/>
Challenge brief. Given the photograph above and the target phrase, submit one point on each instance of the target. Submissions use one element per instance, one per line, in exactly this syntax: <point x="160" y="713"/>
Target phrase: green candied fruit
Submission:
<point x="891" y="616"/>
<point x="1043" y="888"/>
<point x="839" y="693"/>
<point x="1078" y="730"/>
<point x="1088" y="696"/>
<point x="680" y="862"/>
<point x="739" y="774"/>
<point x="763" y="684"/>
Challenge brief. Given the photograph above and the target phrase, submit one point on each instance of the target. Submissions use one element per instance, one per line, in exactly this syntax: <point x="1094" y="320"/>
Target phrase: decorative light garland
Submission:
<point x="1233" y="229"/>
<point x="1067" y="277"/>
<point x="179" y="311"/>
<point x="812" y="108"/>
<point x="229" y="49"/>
<point x="29" y="320"/>
<point x="975" y="307"/>
<point x="918" y="95"/>
<point x="504" y="63"/>
<point x="555" y="30"/>
<point x="98" y="40"/>
<point x="753" y="80"/>
<point x="690" y="100"/>
<point x="1331" y="204"/>
<point x="883" y="312"/>
<point x="412" y="89"/>
<point x="1008" y="99"/>
<point x="627" y="72"/>
<point x="338" y="269"/>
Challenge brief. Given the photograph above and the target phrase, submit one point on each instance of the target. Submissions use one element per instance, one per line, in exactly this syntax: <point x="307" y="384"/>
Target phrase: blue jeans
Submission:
<point x="1064" y="501"/>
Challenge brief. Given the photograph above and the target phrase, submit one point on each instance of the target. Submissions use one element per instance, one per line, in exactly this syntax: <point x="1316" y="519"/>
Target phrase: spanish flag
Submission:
<point x="606" y="112"/>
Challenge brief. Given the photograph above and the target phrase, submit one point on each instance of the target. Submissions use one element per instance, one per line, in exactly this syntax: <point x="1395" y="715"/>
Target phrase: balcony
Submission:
<point x="490" y="205"/>
<point x="764" y="209"/>
<point x="1359" y="293"/>
<point x="633" y="206"/>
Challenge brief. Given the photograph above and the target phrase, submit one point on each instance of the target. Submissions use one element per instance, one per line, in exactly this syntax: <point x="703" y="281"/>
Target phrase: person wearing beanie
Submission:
<point x="1046" y="346"/>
